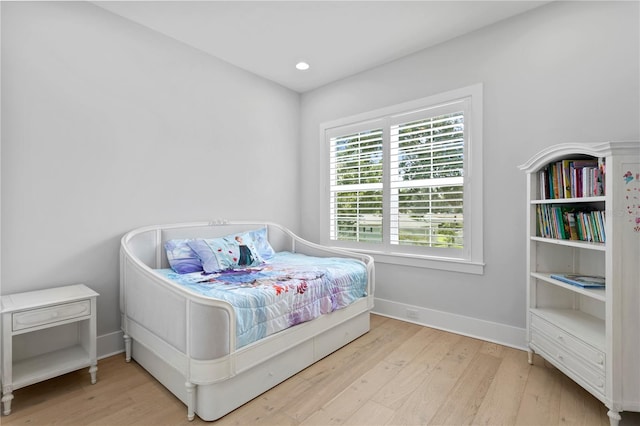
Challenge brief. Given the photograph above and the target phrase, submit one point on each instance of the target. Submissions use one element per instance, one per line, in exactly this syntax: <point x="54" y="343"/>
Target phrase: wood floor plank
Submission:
<point x="463" y="402"/>
<point x="494" y="349"/>
<point x="500" y="405"/>
<point x="246" y="416"/>
<point x="410" y="348"/>
<point x="422" y="404"/>
<point x="344" y="404"/>
<point x="401" y="387"/>
<point x="371" y="413"/>
<point x="541" y="398"/>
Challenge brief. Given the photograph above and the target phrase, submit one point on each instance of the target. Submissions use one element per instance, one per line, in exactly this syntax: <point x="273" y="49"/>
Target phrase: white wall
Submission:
<point x="108" y="126"/>
<point x="566" y="72"/>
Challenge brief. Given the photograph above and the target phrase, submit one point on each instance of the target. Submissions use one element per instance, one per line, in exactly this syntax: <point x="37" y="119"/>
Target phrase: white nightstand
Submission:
<point x="36" y="310"/>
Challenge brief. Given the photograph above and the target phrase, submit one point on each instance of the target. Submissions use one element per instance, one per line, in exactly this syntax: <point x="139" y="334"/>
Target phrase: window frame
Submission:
<point x="466" y="260"/>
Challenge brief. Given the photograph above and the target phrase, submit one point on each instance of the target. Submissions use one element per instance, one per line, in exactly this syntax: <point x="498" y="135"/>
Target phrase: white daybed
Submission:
<point x="188" y="341"/>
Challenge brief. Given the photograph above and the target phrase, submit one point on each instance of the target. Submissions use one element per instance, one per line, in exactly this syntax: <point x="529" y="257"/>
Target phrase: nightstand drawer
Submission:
<point x="569" y="342"/>
<point x="36" y="317"/>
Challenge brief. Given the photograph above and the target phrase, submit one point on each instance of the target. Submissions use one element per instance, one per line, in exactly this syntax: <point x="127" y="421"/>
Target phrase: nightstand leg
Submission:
<point x="530" y="356"/>
<point x="7" y="363"/>
<point x="92" y="371"/>
<point x="7" y="396"/>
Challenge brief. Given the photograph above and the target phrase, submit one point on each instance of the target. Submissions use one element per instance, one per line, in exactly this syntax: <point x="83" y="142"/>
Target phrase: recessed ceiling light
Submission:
<point x="302" y="66"/>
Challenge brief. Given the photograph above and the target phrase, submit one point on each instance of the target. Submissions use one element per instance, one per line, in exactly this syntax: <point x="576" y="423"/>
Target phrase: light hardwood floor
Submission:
<point x="397" y="374"/>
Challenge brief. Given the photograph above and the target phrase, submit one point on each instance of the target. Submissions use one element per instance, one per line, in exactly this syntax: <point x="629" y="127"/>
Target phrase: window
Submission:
<point x="404" y="183"/>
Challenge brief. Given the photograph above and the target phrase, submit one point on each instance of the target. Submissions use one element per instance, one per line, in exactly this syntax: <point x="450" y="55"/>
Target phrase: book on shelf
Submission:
<point x="584" y="281"/>
<point x="570" y="223"/>
<point x="575" y="178"/>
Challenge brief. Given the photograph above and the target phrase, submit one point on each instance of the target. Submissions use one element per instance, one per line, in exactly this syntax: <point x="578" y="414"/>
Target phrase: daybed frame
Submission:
<point x="187" y="341"/>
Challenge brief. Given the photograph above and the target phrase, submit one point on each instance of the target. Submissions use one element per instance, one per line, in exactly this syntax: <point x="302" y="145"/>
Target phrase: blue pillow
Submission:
<point x="181" y="257"/>
<point x="230" y="252"/>
<point x="261" y="242"/>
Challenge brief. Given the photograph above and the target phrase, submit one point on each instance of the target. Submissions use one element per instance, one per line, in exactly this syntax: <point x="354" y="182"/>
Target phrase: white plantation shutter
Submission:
<point x="426" y="181"/>
<point x="356" y="182"/>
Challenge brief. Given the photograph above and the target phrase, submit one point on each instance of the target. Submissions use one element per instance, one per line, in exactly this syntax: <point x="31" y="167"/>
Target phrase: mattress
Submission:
<point x="288" y="289"/>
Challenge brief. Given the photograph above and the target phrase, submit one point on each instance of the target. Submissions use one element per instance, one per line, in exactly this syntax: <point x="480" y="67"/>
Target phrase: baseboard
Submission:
<point x="502" y="334"/>
<point x="110" y="344"/>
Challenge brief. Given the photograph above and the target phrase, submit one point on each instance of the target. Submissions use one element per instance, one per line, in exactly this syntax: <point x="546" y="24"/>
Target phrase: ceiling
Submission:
<point x="337" y="38"/>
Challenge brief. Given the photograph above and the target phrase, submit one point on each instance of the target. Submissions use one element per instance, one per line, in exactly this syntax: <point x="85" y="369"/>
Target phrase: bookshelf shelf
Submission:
<point x="590" y="334"/>
<point x="570" y="200"/>
<point x="597" y="294"/>
<point x="589" y="245"/>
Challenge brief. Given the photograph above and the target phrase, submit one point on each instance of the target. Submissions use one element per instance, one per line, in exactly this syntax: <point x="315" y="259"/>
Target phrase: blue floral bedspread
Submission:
<point x="288" y="289"/>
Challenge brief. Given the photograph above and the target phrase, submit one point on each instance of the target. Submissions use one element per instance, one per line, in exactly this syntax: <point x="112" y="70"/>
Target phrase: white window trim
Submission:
<point x="473" y="262"/>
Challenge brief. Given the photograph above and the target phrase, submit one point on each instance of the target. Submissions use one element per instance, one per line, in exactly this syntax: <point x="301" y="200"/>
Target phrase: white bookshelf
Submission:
<point x="589" y="334"/>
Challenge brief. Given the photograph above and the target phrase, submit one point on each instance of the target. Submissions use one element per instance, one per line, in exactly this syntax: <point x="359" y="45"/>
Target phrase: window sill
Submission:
<point x="440" y="263"/>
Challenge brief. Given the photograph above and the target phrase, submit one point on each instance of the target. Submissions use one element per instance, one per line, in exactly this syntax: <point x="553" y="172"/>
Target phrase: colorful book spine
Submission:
<point x="567" y="223"/>
<point x="572" y="179"/>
